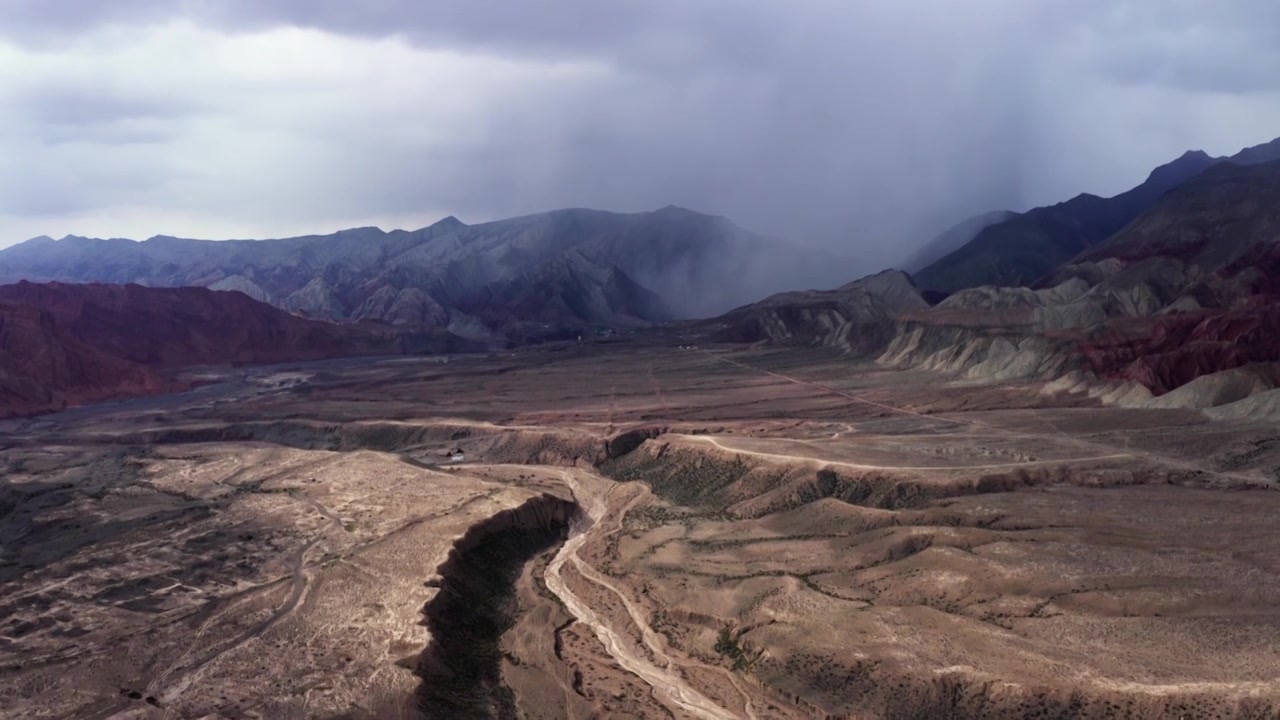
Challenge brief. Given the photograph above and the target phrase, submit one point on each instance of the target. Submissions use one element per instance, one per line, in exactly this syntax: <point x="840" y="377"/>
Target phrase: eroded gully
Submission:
<point x="669" y="687"/>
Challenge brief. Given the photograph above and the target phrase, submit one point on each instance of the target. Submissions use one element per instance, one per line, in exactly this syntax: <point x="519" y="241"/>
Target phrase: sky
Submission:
<point x="858" y="126"/>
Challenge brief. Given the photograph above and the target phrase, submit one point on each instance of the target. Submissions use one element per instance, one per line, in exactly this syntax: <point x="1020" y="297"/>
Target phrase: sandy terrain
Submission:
<point x="636" y="531"/>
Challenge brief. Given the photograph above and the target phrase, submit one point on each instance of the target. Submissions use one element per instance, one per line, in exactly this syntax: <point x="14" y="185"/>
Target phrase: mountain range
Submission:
<point x="1166" y="294"/>
<point x="1180" y="308"/>
<point x="1025" y="247"/>
<point x="556" y="271"/>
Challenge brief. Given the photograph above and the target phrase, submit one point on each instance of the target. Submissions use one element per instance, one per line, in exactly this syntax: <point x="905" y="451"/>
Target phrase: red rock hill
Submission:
<point x="64" y="345"/>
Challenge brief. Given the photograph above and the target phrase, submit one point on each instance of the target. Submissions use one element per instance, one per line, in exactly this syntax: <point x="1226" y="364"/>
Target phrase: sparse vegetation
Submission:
<point x="728" y="646"/>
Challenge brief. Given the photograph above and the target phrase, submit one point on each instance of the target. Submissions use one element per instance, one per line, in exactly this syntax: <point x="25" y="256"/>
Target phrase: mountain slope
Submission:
<point x="954" y="238"/>
<point x="44" y="367"/>
<point x="1179" y="309"/>
<point x="857" y="317"/>
<point x="1029" y="246"/>
<point x="64" y="344"/>
<point x="1212" y="243"/>
<point x="1226" y="215"/>
<point x="696" y="264"/>
<point x="1025" y="247"/>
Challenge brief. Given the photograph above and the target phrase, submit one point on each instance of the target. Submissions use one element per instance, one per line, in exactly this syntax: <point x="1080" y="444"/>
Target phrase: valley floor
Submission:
<point x="635" y="530"/>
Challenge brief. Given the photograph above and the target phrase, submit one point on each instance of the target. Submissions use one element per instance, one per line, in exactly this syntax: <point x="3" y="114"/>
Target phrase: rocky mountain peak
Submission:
<point x="447" y="223"/>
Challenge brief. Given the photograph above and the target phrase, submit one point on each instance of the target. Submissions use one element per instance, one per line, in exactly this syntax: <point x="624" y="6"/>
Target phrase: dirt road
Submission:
<point x="1055" y="433"/>
<point x="859" y="466"/>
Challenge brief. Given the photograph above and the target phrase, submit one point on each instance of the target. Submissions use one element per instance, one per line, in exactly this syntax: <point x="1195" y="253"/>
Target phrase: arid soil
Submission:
<point x="635" y="530"/>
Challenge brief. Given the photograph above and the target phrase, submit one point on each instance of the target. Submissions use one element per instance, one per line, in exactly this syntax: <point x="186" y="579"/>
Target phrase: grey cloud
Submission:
<point x="38" y="21"/>
<point x="1228" y="47"/>
<point x="558" y="28"/>
<point x="91" y="106"/>
<point x="859" y="126"/>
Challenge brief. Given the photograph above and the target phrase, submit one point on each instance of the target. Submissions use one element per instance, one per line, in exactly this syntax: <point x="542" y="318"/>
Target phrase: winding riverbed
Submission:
<point x="668" y="686"/>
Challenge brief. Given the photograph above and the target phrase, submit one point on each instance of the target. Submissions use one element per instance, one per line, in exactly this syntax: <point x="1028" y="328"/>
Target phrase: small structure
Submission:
<point x="457" y="456"/>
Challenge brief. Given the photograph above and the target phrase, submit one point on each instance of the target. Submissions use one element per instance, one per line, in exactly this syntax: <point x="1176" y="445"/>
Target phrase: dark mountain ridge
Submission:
<point x="953" y="238"/>
<point x="1178" y="309"/>
<point x="1028" y="246"/>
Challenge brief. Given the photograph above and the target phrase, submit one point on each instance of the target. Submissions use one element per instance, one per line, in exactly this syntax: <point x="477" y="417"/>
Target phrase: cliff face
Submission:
<point x="461" y="668"/>
<point x="1185" y="359"/>
<point x="1168" y="352"/>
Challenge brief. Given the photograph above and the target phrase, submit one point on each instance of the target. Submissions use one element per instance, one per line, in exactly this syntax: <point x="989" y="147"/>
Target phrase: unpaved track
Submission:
<point x="859" y="466"/>
<point x="841" y="393"/>
<point x="668" y="686"/>
<point x="976" y="423"/>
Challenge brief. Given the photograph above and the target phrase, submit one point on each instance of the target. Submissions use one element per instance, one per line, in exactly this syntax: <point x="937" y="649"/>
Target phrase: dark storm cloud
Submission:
<point x="860" y="126"/>
<point x="565" y="27"/>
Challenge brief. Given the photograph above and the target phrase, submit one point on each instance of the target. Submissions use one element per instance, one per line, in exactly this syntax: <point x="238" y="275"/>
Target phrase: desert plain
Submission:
<point x="644" y="527"/>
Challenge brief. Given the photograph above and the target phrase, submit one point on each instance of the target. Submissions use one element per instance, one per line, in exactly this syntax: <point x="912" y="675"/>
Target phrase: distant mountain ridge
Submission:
<point x="565" y="268"/>
<point x="1179" y="309"/>
<point x="954" y="238"/>
<point x="1029" y="246"/>
<point x="857" y="317"/>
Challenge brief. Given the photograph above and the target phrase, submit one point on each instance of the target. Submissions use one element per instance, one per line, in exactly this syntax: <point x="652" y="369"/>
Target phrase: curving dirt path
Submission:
<point x="1192" y="467"/>
<point x="859" y="466"/>
<point x="668" y="686"/>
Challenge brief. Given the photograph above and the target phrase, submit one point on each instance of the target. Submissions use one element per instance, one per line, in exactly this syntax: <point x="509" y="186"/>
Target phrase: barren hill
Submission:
<point x="66" y="345"/>
<point x="857" y="317"/>
<point x="44" y="367"/>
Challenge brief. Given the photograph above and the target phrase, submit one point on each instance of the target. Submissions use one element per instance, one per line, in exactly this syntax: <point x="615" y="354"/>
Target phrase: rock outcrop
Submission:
<point x="1180" y="309"/>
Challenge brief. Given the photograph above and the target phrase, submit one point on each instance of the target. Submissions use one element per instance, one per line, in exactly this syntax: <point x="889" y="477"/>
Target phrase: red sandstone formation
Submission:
<point x="63" y="345"/>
